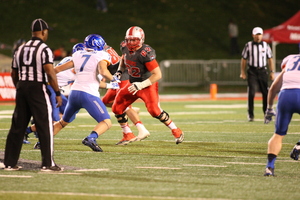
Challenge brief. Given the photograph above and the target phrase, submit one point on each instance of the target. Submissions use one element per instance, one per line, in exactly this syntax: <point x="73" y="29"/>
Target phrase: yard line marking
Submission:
<point x="107" y="195"/>
<point x="245" y="163"/>
<point x="15" y="176"/>
<point x="198" y="165"/>
<point x="221" y="106"/>
<point x="157" y="168"/>
<point x="91" y="170"/>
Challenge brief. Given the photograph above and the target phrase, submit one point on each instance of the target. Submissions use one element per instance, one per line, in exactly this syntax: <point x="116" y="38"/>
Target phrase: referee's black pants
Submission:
<point x="257" y="77"/>
<point x="32" y="99"/>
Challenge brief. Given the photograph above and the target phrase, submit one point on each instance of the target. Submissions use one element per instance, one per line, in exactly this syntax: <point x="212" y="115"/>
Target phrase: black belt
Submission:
<point x="257" y="68"/>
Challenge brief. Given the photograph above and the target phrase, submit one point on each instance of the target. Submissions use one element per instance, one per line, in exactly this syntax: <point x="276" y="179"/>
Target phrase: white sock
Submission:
<point x="126" y="129"/>
<point x="172" y="125"/>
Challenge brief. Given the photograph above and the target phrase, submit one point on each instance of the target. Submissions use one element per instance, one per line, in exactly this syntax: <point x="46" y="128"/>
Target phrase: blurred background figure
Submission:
<point x="18" y="43"/>
<point x="60" y="53"/>
<point x="233" y="32"/>
<point x="101" y="5"/>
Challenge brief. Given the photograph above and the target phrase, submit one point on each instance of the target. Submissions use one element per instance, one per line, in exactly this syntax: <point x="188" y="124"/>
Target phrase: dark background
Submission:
<point x="176" y="29"/>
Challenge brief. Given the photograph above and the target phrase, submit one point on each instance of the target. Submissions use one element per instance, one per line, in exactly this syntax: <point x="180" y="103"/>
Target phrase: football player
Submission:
<point x="144" y="72"/>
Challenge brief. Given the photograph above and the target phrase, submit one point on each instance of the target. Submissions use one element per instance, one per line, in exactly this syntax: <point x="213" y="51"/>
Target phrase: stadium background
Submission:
<point x="175" y="29"/>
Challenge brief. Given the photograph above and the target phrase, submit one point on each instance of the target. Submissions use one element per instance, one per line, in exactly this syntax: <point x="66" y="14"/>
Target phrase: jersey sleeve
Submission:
<point x="149" y="58"/>
<point x="47" y="56"/>
<point x="245" y="52"/>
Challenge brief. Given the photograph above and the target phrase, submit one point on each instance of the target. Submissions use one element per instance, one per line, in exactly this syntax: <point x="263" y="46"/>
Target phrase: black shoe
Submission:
<point x="91" y="142"/>
<point x="295" y="151"/>
<point x="15" y="168"/>
<point x="52" y="169"/>
<point x="269" y="172"/>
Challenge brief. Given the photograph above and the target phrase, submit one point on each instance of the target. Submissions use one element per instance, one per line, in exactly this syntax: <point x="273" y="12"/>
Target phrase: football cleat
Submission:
<point x="269" y="172"/>
<point x="91" y="142"/>
<point x="295" y="151"/>
<point x="142" y="135"/>
<point x="178" y="134"/>
<point x="127" y="138"/>
<point x="25" y="140"/>
<point x="37" y="145"/>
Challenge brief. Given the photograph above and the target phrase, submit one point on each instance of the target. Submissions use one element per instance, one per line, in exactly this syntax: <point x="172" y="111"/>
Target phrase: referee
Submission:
<point x="32" y="70"/>
<point x="257" y="55"/>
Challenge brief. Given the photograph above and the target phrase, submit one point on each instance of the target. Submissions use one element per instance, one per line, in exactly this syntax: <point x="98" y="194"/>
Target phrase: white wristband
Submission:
<point x="146" y="83"/>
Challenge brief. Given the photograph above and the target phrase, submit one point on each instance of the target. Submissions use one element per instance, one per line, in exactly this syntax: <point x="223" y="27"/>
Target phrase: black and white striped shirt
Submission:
<point x="30" y="58"/>
<point x="257" y="53"/>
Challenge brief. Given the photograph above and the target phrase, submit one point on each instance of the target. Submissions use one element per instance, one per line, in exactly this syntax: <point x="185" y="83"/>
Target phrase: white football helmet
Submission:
<point x="134" y="38"/>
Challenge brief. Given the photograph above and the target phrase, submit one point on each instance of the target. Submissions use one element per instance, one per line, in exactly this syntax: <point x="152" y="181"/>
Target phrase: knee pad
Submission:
<point x="163" y="117"/>
<point x="122" y="118"/>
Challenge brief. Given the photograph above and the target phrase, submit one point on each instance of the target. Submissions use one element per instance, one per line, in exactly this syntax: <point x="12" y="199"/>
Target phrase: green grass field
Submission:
<point x="223" y="157"/>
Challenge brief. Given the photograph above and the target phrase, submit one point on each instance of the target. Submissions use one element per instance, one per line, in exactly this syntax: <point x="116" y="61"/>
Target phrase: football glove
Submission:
<point x="117" y="76"/>
<point x="136" y="86"/>
<point x="112" y="85"/>
<point x="269" y="114"/>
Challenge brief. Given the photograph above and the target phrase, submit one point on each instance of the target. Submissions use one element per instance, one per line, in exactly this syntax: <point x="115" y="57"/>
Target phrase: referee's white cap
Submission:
<point x="257" y="30"/>
<point x="39" y="25"/>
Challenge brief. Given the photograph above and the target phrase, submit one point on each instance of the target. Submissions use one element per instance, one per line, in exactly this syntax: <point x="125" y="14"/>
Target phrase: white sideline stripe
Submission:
<point x="107" y="195"/>
<point x="91" y="170"/>
<point x="157" y="168"/>
<point x="245" y="163"/>
<point x="15" y="176"/>
<point x="198" y="165"/>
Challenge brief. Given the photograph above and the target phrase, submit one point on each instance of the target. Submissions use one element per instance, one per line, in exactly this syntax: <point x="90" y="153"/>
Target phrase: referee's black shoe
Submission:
<point x="54" y="168"/>
<point x="91" y="142"/>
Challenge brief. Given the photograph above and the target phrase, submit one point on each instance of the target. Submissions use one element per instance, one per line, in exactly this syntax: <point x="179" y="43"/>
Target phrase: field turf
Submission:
<point x="223" y="157"/>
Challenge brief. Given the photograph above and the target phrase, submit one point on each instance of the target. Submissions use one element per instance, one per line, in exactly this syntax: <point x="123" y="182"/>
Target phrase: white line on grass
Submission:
<point x="105" y="195"/>
<point x="91" y="170"/>
<point x="60" y="173"/>
<point x="15" y="176"/>
<point x="198" y="165"/>
<point x="221" y="106"/>
<point x="157" y="168"/>
<point x="245" y="163"/>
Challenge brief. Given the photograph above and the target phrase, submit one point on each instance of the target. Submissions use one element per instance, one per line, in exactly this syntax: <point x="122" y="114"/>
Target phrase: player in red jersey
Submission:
<point x="130" y="111"/>
<point x="144" y="72"/>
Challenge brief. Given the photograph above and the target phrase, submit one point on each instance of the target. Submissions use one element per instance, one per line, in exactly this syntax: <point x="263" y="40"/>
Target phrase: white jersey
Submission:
<point x="65" y="77"/>
<point x="284" y="61"/>
<point x="291" y="75"/>
<point x="86" y="70"/>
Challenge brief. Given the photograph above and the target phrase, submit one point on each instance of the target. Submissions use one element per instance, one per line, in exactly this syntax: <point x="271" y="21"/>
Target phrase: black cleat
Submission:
<point x="91" y="142"/>
<point x="269" y="172"/>
<point x="37" y="145"/>
<point x="295" y="151"/>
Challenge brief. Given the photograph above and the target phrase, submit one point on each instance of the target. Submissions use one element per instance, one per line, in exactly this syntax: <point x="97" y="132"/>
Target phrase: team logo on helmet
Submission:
<point x="95" y="42"/>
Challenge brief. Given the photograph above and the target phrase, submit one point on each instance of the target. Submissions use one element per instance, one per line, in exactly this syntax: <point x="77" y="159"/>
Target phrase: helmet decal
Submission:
<point x="95" y="42"/>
